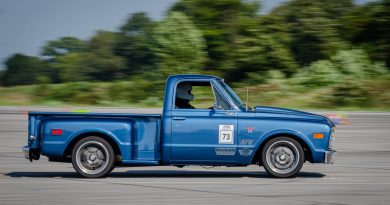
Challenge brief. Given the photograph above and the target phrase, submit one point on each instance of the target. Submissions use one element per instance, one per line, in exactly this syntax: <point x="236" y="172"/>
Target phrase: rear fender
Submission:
<point x="116" y="132"/>
<point x="105" y="134"/>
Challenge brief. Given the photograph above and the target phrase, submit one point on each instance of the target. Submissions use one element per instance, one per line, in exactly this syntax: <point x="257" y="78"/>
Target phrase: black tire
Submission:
<point x="93" y="157"/>
<point x="282" y="157"/>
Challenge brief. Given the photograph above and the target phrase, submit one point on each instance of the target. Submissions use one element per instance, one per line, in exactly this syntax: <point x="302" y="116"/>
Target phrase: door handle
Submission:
<point x="178" y="118"/>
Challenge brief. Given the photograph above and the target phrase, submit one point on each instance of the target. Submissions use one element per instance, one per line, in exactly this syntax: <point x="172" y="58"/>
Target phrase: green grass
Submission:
<point x="125" y="94"/>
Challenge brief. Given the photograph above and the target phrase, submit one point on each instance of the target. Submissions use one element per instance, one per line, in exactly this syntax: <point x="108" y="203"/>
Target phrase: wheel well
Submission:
<point x="308" y="155"/>
<point x="114" y="145"/>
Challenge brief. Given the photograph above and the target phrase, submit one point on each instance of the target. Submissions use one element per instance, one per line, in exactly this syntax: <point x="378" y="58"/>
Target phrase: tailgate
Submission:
<point x="32" y="150"/>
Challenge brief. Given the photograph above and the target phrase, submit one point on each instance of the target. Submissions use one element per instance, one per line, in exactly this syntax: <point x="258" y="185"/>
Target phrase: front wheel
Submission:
<point x="93" y="157"/>
<point x="282" y="157"/>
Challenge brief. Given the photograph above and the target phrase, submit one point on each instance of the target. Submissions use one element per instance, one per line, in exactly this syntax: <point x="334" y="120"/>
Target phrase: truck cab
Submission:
<point x="203" y="122"/>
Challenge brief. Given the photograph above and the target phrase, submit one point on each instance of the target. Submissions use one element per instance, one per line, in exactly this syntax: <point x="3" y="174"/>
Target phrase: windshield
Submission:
<point x="236" y="100"/>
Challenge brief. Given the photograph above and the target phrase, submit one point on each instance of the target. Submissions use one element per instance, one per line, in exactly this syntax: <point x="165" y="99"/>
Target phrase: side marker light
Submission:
<point x="318" y="136"/>
<point x="56" y="131"/>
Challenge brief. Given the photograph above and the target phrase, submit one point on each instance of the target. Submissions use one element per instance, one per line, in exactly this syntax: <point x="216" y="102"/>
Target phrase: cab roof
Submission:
<point x="193" y="76"/>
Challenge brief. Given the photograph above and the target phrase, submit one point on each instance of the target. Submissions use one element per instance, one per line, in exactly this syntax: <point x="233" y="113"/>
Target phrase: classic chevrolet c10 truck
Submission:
<point x="219" y="130"/>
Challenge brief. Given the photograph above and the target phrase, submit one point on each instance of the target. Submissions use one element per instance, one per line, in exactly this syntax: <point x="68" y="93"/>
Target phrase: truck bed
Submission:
<point x="136" y="136"/>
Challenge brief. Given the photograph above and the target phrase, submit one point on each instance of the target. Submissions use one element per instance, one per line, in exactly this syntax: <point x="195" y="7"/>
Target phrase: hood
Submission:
<point x="293" y="114"/>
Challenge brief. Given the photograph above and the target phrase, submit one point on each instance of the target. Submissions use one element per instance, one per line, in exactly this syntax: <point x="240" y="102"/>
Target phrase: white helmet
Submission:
<point x="184" y="91"/>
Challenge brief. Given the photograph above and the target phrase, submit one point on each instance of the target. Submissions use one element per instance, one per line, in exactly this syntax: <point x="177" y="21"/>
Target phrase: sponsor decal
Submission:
<point x="246" y="142"/>
<point x="225" y="151"/>
<point x="250" y="129"/>
<point x="245" y="152"/>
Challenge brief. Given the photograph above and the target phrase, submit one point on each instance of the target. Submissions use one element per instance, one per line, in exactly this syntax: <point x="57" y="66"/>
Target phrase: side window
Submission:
<point x="194" y="95"/>
<point x="198" y="95"/>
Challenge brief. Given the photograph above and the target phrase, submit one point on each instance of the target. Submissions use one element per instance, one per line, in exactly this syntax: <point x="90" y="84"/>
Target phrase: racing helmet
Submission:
<point x="184" y="91"/>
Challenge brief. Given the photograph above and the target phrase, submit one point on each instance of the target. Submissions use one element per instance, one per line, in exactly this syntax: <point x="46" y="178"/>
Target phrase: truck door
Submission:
<point x="204" y="125"/>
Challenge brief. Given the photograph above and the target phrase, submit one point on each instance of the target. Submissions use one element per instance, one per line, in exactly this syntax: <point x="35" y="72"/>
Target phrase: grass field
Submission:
<point x="130" y="94"/>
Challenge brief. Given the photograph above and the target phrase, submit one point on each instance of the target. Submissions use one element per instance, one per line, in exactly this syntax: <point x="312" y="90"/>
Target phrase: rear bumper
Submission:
<point x="31" y="154"/>
<point x="330" y="156"/>
<point x="26" y="152"/>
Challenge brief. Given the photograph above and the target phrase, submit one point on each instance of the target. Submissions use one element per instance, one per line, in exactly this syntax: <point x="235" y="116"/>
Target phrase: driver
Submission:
<point x="184" y="96"/>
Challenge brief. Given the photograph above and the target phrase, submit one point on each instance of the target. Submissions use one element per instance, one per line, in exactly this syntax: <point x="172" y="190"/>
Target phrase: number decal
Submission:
<point x="226" y="134"/>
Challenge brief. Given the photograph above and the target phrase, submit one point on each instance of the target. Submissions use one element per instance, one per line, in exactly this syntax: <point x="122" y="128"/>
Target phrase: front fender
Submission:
<point x="316" y="154"/>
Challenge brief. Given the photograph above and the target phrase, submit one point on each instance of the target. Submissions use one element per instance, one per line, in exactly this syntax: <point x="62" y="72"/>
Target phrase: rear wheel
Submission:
<point x="282" y="157"/>
<point x="93" y="157"/>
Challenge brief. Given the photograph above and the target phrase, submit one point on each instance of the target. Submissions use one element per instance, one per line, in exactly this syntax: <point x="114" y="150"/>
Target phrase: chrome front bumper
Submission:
<point x="330" y="156"/>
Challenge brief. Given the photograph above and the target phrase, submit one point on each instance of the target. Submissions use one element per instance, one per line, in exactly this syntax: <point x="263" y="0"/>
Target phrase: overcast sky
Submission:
<point x="25" y="25"/>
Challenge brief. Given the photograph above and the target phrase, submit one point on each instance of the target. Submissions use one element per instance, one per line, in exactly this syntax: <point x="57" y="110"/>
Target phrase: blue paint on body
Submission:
<point x="182" y="136"/>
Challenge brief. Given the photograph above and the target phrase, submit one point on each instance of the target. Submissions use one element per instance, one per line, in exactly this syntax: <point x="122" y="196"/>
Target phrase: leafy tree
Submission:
<point x="104" y="65"/>
<point x="263" y="45"/>
<point x="179" y="45"/>
<point x="63" y="53"/>
<point x="344" y="67"/>
<point x="72" y="67"/>
<point x="263" y="52"/>
<point x="2" y="73"/>
<point x="63" y="46"/>
<point x="22" y="70"/>
<point x="336" y="9"/>
<point x="220" y="22"/>
<point x="135" y="44"/>
<point x="319" y="73"/>
<point x="368" y="26"/>
<point x="357" y="64"/>
<point x="274" y="25"/>
<point x="314" y="28"/>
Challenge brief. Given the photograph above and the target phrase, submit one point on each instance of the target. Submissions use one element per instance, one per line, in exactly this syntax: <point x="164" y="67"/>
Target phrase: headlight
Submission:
<point x="331" y="140"/>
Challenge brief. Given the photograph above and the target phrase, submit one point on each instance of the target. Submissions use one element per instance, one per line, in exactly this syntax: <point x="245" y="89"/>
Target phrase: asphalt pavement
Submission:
<point x="360" y="175"/>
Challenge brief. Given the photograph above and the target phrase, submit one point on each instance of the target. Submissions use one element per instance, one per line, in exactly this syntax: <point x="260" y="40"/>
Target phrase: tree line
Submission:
<point x="311" y="40"/>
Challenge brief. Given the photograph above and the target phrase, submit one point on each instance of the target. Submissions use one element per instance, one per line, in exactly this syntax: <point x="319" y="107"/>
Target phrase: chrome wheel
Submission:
<point x="92" y="157"/>
<point x="282" y="157"/>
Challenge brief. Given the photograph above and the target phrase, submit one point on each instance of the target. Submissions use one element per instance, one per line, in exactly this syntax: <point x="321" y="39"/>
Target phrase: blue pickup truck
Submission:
<point x="203" y="123"/>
